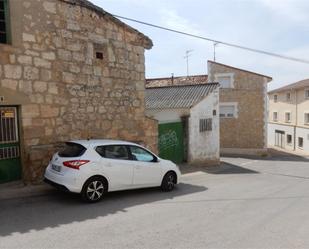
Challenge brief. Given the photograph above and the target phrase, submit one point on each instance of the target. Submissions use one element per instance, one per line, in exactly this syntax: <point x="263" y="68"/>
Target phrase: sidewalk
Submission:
<point x="282" y="152"/>
<point x="17" y="189"/>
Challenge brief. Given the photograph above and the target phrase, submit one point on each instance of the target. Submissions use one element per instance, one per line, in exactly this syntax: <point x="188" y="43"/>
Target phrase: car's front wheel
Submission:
<point x="94" y="189"/>
<point x="169" y="181"/>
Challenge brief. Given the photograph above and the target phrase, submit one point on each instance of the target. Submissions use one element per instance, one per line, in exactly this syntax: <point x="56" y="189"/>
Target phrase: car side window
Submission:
<point x="113" y="152"/>
<point x="142" y="155"/>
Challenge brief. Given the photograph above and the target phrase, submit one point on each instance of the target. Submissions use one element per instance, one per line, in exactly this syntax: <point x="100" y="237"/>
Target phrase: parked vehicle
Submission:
<point x="95" y="167"/>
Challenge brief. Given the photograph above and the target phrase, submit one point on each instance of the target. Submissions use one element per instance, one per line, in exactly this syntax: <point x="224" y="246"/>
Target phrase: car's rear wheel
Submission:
<point x="94" y="189"/>
<point x="169" y="181"/>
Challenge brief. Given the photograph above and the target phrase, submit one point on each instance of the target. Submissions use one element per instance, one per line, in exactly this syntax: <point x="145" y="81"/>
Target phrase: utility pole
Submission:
<point x="215" y="44"/>
<point x="187" y="58"/>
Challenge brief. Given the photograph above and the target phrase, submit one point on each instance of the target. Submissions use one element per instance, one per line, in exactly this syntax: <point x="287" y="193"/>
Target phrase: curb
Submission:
<point x="19" y="190"/>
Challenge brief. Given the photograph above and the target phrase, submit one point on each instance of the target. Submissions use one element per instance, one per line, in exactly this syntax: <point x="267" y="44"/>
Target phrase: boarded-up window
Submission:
<point x="205" y="124"/>
<point x="225" y="81"/>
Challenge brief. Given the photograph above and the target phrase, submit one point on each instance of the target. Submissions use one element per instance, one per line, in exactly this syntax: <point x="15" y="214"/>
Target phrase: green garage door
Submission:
<point x="10" y="164"/>
<point x="171" y="144"/>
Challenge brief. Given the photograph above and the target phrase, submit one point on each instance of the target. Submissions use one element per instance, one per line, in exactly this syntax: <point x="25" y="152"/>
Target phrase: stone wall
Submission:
<point x="63" y="91"/>
<point x="249" y="129"/>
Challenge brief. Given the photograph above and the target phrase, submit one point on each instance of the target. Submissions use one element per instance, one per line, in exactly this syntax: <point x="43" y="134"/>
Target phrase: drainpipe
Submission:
<point x="296" y="116"/>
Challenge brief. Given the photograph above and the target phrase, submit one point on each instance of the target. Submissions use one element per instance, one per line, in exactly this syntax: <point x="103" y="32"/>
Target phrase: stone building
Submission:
<point x="288" y="125"/>
<point x="243" y="109"/>
<point x="68" y="70"/>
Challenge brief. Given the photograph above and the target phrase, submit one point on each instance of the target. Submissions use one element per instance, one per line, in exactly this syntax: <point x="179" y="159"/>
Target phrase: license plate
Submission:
<point x="56" y="167"/>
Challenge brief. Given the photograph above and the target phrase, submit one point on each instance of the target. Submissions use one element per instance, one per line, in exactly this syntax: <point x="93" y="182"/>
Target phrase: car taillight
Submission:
<point x="75" y="164"/>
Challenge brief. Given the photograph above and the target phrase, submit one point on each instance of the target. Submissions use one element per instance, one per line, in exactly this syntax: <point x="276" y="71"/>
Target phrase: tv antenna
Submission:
<point x="187" y="58"/>
<point x="215" y="44"/>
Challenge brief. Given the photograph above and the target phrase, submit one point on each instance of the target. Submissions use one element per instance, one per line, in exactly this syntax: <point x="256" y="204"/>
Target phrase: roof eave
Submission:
<point x="145" y="40"/>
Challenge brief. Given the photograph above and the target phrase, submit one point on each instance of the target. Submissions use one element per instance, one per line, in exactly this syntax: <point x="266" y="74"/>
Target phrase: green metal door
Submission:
<point x="171" y="144"/>
<point x="10" y="162"/>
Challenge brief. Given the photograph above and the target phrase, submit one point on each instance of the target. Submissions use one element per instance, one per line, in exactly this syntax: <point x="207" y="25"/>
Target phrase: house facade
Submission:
<point x="68" y="70"/>
<point x="243" y="109"/>
<point x="288" y="126"/>
<point x="188" y="122"/>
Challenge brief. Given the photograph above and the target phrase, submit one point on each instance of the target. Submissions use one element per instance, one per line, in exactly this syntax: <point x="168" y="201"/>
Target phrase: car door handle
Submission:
<point x="137" y="167"/>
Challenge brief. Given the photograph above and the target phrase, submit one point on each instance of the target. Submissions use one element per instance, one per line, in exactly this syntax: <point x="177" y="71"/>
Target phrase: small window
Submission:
<point x="113" y="152"/>
<point x="289" y="138"/>
<point x="72" y="150"/>
<point x="227" y="111"/>
<point x="288" y="97"/>
<point x="306" y="118"/>
<point x="4" y="22"/>
<point x="275" y="98"/>
<point x="287" y="117"/>
<point x="139" y="154"/>
<point x="300" y="142"/>
<point x="225" y="81"/>
<point x="99" y="55"/>
<point x="275" y="116"/>
<point x="307" y="93"/>
<point x="214" y="112"/>
<point x="205" y="124"/>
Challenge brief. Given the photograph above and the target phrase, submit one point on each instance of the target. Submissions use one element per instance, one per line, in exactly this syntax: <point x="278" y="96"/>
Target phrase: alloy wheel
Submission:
<point x="170" y="182"/>
<point x="95" y="190"/>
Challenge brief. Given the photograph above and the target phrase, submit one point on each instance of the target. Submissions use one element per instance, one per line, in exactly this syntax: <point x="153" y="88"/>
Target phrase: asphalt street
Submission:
<point x="246" y="203"/>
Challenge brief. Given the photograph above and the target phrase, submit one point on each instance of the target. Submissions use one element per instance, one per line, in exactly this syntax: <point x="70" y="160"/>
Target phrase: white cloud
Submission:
<point x="171" y="19"/>
<point x="294" y="10"/>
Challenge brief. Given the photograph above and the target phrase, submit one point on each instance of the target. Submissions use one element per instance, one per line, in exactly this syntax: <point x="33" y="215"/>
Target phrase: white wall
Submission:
<point x="204" y="146"/>
<point x="304" y="133"/>
<point x="287" y="129"/>
<point x="168" y="115"/>
<point x="300" y="132"/>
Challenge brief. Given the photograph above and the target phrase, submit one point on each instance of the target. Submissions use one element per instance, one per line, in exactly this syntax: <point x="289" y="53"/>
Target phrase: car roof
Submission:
<point x="96" y="142"/>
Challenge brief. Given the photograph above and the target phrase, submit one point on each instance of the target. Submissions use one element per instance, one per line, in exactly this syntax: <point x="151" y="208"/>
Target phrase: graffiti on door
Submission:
<point x="168" y="140"/>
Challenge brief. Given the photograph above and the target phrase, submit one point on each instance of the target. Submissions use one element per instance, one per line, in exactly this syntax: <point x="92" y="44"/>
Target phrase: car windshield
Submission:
<point x="72" y="150"/>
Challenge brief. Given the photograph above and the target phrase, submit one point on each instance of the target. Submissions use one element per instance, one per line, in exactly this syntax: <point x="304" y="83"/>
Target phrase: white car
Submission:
<point x="95" y="167"/>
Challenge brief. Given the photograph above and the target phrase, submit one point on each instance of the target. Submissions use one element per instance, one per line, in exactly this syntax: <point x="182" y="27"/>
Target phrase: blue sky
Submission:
<point x="279" y="26"/>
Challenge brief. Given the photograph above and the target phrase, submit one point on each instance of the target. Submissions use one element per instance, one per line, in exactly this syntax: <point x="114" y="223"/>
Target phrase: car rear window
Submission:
<point x="72" y="150"/>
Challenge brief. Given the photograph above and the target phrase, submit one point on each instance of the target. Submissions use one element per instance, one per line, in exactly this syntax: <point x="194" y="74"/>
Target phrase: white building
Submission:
<point x="288" y="126"/>
<point x="188" y="118"/>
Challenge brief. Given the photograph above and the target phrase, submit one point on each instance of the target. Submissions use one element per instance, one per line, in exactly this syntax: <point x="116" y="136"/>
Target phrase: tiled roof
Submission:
<point x="87" y="4"/>
<point x="176" y="81"/>
<point x="296" y="85"/>
<point x="172" y="97"/>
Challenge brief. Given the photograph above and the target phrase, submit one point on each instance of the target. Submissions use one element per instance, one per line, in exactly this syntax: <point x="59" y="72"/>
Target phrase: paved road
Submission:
<point x="247" y="203"/>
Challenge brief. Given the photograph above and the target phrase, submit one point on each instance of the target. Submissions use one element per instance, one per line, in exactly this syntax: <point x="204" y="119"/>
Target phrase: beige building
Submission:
<point x="243" y="109"/>
<point x="288" y="126"/>
<point x="68" y="70"/>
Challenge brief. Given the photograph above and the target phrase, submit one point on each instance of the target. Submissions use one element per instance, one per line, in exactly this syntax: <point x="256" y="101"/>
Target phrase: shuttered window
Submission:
<point x="4" y="22"/>
<point x="227" y="111"/>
